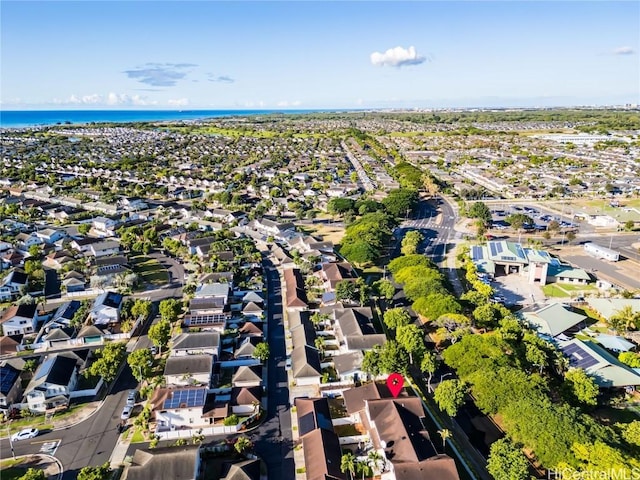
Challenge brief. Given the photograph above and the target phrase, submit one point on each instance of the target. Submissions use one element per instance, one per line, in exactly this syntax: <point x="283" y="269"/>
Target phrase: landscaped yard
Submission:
<point x="554" y="291"/>
<point x="149" y="270"/>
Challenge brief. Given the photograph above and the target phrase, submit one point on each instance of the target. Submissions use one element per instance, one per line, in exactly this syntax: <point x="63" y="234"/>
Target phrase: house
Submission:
<point x="305" y="365"/>
<point x="608" y="307"/>
<point x="74" y="282"/>
<point x="398" y="433"/>
<point x="196" y="343"/>
<point x="24" y="241"/>
<point x="50" y="235"/>
<point x="552" y="319"/>
<point x="253" y="312"/>
<point x="252" y="296"/>
<point x="188" y="370"/>
<point x="355" y="330"/>
<point x="104" y="227"/>
<point x="348" y="366"/>
<point x="245" y="400"/>
<point x="12" y="258"/>
<point x="599" y="364"/>
<point x="106" y="308"/>
<point x="213" y="290"/>
<point x="10" y="386"/>
<point x="9" y="344"/>
<point x="16" y="282"/>
<point x="320" y="443"/>
<point x="333" y="273"/>
<point x="107" y="247"/>
<point x="179" y="407"/>
<point x="58" y="259"/>
<point x="247" y="376"/>
<point x="296" y="298"/>
<point x="251" y="329"/>
<point x="241" y="470"/>
<point x="19" y="320"/>
<point x="52" y="383"/>
<point x="567" y="274"/>
<point x="165" y="464"/>
<point x="246" y="347"/>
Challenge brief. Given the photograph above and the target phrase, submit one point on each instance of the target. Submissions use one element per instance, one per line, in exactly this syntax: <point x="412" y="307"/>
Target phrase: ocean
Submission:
<point x="34" y="118"/>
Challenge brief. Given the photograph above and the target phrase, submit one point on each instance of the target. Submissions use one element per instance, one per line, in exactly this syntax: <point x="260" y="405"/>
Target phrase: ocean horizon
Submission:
<point x="41" y="118"/>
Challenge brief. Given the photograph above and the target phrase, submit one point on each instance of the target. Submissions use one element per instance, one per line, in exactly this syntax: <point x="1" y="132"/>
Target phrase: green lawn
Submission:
<point x="138" y="436"/>
<point x="553" y="291"/>
<point x="149" y="270"/>
<point x="568" y="287"/>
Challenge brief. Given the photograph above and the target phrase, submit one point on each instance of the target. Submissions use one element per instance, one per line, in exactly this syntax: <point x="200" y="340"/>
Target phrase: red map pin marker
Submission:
<point x="395" y="381"/>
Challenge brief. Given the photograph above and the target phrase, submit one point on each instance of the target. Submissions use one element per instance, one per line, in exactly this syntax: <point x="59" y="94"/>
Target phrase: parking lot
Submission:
<point x="541" y="217"/>
<point x="516" y="290"/>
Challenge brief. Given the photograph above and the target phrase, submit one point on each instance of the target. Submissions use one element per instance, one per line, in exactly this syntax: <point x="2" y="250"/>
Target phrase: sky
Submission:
<point x="317" y="54"/>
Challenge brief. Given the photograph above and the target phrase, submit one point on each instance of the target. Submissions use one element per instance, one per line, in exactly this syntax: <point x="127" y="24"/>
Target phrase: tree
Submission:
<point x="410" y="242"/>
<point x="170" y="309"/>
<point x="449" y="396"/>
<point x="377" y="460"/>
<point x="84" y="228"/>
<point x="371" y="361"/>
<point x="485" y="315"/>
<point x="416" y="260"/>
<point x="33" y="474"/>
<point x="261" y="352"/>
<point x="581" y="386"/>
<point x="507" y="462"/>
<point x="571" y="236"/>
<point x="519" y="220"/>
<point x="319" y="343"/>
<point x="396" y="317"/>
<point x="34" y="251"/>
<point x="340" y="206"/>
<point x="141" y="308"/>
<point x="102" y="472"/>
<point x="346" y="290"/>
<point x="630" y="358"/>
<point x="140" y="362"/>
<point x="410" y="337"/>
<point x="435" y="305"/>
<point x="624" y="319"/>
<point x="160" y="333"/>
<point x="385" y="289"/>
<point x="109" y="359"/>
<point x="231" y="420"/>
<point x="429" y="365"/>
<point x="480" y="211"/>
<point x="445" y="434"/>
<point x="393" y="358"/>
<point x="631" y="432"/>
<point x="400" y="202"/>
<point x="348" y="464"/>
<point x="629" y="225"/>
<point x="242" y="444"/>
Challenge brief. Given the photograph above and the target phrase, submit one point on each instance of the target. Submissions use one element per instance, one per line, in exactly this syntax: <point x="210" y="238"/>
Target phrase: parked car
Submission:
<point x="132" y="397"/>
<point x="126" y="412"/>
<point x="287" y="364"/>
<point x="25" y="434"/>
<point x="153" y="349"/>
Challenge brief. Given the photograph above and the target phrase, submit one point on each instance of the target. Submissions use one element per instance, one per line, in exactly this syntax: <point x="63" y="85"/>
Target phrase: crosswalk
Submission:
<point x="50" y="447"/>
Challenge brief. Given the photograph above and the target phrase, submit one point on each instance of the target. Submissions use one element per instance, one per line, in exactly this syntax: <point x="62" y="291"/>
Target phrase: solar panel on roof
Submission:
<point x="9" y="376"/>
<point x="185" y="398"/>
<point x="476" y="252"/>
<point x="499" y="247"/>
<point x="492" y="247"/>
<point x="579" y="357"/>
<point x="307" y="423"/>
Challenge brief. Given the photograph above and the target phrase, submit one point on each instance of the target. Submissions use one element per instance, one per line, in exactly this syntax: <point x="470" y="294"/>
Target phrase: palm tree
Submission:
<point x="242" y="444"/>
<point x="624" y="319"/>
<point x="377" y="460"/>
<point x="445" y="433"/>
<point x="320" y="344"/>
<point x="348" y="464"/>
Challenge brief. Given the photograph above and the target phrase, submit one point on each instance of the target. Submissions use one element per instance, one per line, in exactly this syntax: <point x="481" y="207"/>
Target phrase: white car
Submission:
<point x="126" y="412"/>
<point x="25" y="434"/>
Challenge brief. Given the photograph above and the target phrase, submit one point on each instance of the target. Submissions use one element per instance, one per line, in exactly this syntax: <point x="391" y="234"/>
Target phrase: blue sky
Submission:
<point x="305" y="54"/>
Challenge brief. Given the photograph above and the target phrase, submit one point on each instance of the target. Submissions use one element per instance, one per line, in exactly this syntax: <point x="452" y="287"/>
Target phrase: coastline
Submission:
<point x="21" y="119"/>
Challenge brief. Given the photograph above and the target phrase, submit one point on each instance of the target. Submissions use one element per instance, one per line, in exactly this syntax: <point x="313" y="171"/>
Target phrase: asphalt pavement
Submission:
<point x="273" y="439"/>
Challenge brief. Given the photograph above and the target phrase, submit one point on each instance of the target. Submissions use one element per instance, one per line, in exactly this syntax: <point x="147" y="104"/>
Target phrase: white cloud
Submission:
<point x="111" y="99"/>
<point x="397" y="57"/>
<point x="178" y="102"/>
<point x="624" y="51"/>
<point x="286" y="103"/>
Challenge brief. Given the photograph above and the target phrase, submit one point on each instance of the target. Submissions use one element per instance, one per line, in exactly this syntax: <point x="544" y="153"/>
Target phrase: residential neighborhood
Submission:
<point x="228" y="299"/>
